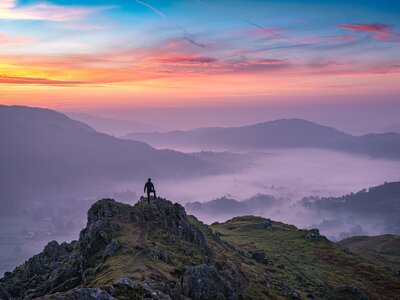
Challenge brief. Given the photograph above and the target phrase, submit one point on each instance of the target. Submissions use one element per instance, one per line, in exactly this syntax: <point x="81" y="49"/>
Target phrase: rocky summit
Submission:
<point x="157" y="251"/>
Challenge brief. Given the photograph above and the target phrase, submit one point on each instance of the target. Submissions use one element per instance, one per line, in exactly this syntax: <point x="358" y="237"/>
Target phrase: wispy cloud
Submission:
<point x="378" y="31"/>
<point x="186" y="34"/>
<point x="6" y="39"/>
<point x="261" y="28"/>
<point x="36" y="81"/>
<point x="188" y="59"/>
<point x="44" y="11"/>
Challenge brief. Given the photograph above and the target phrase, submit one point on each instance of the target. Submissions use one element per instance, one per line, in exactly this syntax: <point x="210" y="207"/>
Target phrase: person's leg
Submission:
<point x="148" y="197"/>
<point x="155" y="197"/>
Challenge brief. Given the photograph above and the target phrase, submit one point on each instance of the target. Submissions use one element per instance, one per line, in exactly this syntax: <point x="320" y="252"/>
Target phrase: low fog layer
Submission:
<point x="288" y="176"/>
<point x="55" y="168"/>
<point x="291" y="174"/>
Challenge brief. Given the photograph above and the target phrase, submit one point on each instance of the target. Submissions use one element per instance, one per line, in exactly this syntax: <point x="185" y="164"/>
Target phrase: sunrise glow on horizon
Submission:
<point x="71" y="53"/>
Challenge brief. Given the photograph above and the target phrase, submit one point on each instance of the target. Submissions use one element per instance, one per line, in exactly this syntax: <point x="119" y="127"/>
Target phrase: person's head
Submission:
<point x="149" y="179"/>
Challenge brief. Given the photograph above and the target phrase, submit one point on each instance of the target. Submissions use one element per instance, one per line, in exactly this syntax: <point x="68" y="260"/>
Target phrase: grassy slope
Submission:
<point x="382" y="250"/>
<point x="309" y="263"/>
<point x="308" y="266"/>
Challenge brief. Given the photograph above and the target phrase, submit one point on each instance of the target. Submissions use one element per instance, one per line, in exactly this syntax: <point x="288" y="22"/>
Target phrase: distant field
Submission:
<point x="21" y="238"/>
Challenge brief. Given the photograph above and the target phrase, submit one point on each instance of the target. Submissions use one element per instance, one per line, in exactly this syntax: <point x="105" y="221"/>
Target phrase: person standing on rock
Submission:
<point x="149" y="187"/>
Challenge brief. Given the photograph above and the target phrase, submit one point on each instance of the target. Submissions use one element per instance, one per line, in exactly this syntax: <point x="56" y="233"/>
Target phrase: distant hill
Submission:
<point x="284" y="133"/>
<point x="392" y="128"/>
<point x="157" y="251"/>
<point x="45" y="153"/>
<point x="225" y="208"/>
<point x="381" y="199"/>
<point x="112" y="126"/>
<point x="377" y="203"/>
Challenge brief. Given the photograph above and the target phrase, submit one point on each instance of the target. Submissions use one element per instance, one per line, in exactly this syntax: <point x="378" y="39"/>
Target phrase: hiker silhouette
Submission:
<point x="150" y="189"/>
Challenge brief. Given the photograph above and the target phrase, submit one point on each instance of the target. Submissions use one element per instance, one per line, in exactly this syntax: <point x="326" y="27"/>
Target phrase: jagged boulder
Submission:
<point x="81" y="294"/>
<point x="43" y="273"/>
<point x="259" y="256"/>
<point x="314" y="234"/>
<point x="145" y="289"/>
<point x="169" y="216"/>
<point x="111" y="249"/>
<point x="107" y="208"/>
<point x="205" y="282"/>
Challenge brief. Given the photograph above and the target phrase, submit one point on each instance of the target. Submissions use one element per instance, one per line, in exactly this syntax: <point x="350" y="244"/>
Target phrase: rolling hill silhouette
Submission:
<point x="379" y="203"/>
<point x="112" y="126"/>
<point x="284" y="133"/>
<point x="45" y="153"/>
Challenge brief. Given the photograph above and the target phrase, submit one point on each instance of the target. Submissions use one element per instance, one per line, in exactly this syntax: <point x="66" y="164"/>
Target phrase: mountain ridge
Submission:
<point x="38" y="143"/>
<point x="112" y="126"/>
<point x="282" y="133"/>
<point x="157" y="251"/>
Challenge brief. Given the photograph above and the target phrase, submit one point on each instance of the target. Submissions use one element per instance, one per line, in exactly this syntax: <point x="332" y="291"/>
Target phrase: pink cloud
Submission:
<point x="379" y="31"/>
<point x="35" y="81"/>
<point x="187" y="59"/>
<point x="326" y="38"/>
<point x="9" y="10"/>
<point x="5" y="39"/>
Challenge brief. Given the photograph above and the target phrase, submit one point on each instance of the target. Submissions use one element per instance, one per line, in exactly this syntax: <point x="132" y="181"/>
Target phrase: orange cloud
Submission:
<point x="133" y="66"/>
<point x="37" y="81"/>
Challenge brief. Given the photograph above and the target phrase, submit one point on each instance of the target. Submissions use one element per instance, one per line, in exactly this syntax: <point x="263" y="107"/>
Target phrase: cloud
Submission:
<point x="260" y="28"/>
<point x="188" y="59"/>
<point x="9" y="10"/>
<point x="5" y="39"/>
<point x="377" y="27"/>
<point x="186" y="35"/>
<point x="257" y="65"/>
<point x="35" y="81"/>
<point x="378" y="31"/>
<point x="171" y="59"/>
<point x="327" y="38"/>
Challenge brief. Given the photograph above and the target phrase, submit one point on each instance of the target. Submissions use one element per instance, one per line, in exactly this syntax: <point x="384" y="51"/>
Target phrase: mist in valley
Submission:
<point x="47" y="190"/>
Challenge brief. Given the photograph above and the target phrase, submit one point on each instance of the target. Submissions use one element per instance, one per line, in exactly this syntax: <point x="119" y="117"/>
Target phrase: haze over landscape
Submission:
<point x="286" y="110"/>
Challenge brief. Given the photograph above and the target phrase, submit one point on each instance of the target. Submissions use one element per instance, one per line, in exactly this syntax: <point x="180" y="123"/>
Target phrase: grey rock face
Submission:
<point x="170" y="216"/>
<point x="59" y="270"/>
<point x="314" y="234"/>
<point x="204" y="282"/>
<point x="111" y="249"/>
<point x="43" y="273"/>
<point x="259" y="257"/>
<point x="107" y="208"/>
<point x="146" y="289"/>
<point x="81" y="294"/>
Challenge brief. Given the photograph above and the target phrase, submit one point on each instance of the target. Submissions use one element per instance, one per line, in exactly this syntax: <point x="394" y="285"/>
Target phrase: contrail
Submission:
<point x="249" y="22"/>
<point x="153" y="9"/>
<point x="186" y="34"/>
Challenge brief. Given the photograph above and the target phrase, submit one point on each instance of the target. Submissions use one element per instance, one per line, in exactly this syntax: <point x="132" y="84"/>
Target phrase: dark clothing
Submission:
<point x="150" y="189"/>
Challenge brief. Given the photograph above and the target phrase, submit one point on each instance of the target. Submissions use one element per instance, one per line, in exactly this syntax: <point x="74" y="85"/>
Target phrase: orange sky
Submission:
<point x="64" y="56"/>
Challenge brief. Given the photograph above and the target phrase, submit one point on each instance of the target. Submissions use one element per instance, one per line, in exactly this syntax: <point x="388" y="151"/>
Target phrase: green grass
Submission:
<point x="306" y="265"/>
<point x="308" y="262"/>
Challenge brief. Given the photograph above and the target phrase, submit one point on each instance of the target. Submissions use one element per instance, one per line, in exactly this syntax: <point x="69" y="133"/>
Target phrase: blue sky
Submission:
<point x="149" y="49"/>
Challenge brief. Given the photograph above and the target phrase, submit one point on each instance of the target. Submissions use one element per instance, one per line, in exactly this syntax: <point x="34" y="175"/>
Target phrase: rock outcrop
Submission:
<point x="155" y="251"/>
